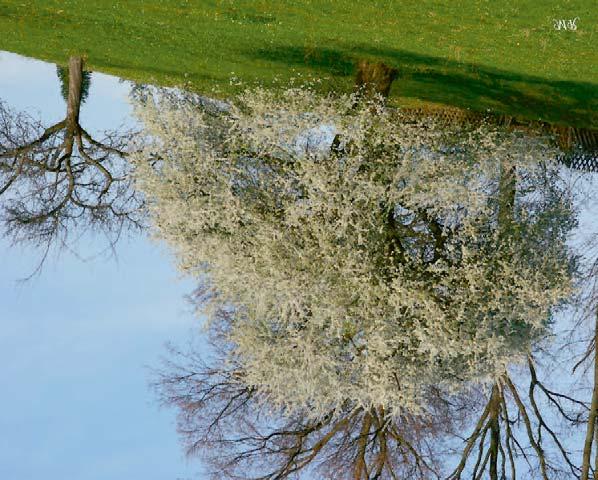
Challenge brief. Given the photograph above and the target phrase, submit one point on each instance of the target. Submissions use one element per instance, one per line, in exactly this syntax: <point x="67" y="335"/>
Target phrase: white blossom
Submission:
<point x="363" y="273"/>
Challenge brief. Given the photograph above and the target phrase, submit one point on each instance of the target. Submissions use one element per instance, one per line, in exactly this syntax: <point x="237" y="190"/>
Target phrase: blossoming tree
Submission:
<point x="366" y="262"/>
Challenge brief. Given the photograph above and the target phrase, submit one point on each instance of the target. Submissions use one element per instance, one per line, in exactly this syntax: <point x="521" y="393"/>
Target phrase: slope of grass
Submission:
<point x="503" y="55"/>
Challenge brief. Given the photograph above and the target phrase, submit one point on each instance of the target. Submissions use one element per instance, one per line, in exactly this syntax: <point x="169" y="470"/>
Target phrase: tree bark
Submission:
<point x="494" y="432"/>
<point x="506" y="195"/>
<point x="587" y="448"/>
<point x="360" y="470"/>
<point x="374" y="78"/>
<point x="73" y="105"/>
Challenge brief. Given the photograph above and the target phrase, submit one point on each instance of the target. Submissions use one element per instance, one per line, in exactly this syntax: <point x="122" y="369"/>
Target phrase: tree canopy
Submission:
<point x="364" y="258"/>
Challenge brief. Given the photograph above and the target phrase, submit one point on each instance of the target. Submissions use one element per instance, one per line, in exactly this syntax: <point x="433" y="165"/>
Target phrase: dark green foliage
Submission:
<point x="63" y="77"/>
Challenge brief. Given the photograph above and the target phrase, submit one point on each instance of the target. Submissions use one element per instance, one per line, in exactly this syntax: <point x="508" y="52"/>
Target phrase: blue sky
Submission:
<point x="76" y="340"/>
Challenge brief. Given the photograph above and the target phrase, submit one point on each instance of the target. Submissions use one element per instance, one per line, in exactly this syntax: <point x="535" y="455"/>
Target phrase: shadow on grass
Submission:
<point x="454" y="83"/>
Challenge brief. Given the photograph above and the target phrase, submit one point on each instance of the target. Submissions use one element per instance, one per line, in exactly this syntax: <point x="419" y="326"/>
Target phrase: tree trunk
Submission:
<point x="74" y="99"/>
<point x="587" y="448"/>
<point x="360" y="472"/>
<point x="506" y="196"/>
<point x="494" y="432"/>
<point x="374" y="78"/>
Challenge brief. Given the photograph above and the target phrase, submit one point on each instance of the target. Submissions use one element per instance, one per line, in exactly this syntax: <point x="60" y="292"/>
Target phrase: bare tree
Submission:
<point x="54" y="178"/>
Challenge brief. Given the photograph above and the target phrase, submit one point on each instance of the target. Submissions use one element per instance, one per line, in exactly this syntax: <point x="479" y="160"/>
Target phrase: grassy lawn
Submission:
<point x="502" y="55"/>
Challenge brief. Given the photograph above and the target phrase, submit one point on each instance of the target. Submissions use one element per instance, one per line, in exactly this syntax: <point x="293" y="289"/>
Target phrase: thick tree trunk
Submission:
<point x="74" y="99"/>
<point x="360" y="472"/>
<point x="494" y="432"/>
<point x="374" y="78"/>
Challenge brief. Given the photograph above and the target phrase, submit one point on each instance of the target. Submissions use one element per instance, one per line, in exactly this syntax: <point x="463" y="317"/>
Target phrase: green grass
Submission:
<point x="499" y="55"/>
